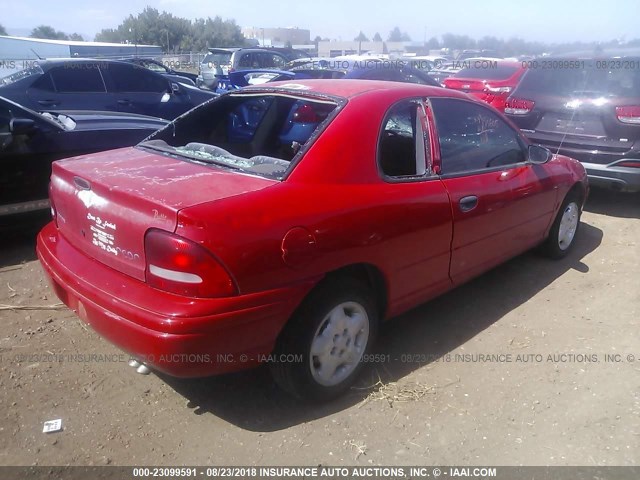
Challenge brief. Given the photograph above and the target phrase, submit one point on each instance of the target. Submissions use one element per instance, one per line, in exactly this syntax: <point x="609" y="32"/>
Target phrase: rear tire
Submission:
<point x="319" y="353"/>
<point x="564" y="229"/>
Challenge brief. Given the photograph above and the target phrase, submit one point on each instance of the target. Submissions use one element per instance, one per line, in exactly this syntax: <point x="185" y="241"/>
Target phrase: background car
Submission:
<point x="261" y="242"/>
<point x="30" y="141"/>
<point x="490" y="81"/>
<point x="107" y="85"/>
<point x="587" y="107"/>
<point x="371" y="69"/>
<point x="216" y="66"/>
<point x="155" y="66"/>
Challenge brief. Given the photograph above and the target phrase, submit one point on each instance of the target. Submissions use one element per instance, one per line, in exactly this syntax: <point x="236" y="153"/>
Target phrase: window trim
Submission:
<point x="523" y="144"/>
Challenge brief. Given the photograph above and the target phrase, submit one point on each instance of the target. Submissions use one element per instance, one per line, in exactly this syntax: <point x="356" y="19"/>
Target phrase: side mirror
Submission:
<point x="175" y="88"/>
<point x="539" y="155"/>
<point x="22" y="126"/>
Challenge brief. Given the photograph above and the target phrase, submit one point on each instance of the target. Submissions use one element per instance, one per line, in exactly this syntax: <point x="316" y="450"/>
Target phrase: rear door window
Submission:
<point x="77" y="78"/>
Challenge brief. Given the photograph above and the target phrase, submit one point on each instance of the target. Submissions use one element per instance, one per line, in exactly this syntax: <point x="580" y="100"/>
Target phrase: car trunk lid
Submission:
<point x="468" y="85"/>
<point x="106" y="202"/>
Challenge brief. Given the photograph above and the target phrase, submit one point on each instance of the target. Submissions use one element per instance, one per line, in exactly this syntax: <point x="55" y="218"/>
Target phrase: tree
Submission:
<point x="458" y="42"/>
<point x="215" y="32"/>
<point x="45" y="31"/>
<point x="3" y="31"/>
<point x="433" y="43"/>
<point x="174" y="33"/>
<point x="76" y="37"/>
<point x="397" y="36"/>
<point x="377" y="37"/>
<point x="361" y="37"/>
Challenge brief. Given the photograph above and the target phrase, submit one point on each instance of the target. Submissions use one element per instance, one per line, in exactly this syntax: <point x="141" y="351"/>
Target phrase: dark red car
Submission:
<point x="491" y="81"/>
<point x="283" y="223"/>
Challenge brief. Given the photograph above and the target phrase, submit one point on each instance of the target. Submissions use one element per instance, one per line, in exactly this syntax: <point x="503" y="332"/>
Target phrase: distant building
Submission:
<point x="17" y="53"/>
<point x="333" y="48"/>
<point x="278" y="37"/>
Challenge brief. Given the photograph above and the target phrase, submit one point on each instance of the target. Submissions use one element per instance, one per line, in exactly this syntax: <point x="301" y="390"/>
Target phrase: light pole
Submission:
<point x="135" y="38"/>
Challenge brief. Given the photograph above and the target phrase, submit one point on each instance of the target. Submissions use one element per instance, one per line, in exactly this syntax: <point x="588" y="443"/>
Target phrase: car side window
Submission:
<point x="401" y="150"/>
<point x="278" y="62"/>
<point x="77" y="78"/>
<point x="129" y="79"/>
<point x="44" y="83"/>
<point x="473" y="138"/>
<point x="247" y="61"/>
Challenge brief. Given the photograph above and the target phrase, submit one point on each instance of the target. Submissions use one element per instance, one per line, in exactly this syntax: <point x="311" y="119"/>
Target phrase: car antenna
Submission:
<point x="36" y="54"/>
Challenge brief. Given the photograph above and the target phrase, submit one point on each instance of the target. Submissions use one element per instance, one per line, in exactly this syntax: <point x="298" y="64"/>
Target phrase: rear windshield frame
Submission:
<point x="339" y="102"/>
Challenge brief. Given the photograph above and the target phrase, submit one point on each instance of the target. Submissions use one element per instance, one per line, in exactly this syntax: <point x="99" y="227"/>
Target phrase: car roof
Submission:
<point x="51" y="62"/>
<point x="347" y="88"/>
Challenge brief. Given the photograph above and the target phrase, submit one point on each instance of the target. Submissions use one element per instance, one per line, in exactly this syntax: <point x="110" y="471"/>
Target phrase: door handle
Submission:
<point x="468" y="203"/>
<point x="48" y="103"/>
<point x="124" y="102"/>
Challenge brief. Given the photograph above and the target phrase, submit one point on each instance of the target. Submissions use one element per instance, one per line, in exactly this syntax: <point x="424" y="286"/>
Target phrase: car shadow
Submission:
<point x="18" y="238"/>
<point x="250" y="400"/>
<point x="613" y="204"/>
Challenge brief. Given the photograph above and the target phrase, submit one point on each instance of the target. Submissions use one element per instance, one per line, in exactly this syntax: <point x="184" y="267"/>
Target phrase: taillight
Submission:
<point x="518" y="106"/>
<point x="305" y="114"/>
<point x="178" y="265"/>
<point x="629" y="114"/>
<point x="629" y="163"/>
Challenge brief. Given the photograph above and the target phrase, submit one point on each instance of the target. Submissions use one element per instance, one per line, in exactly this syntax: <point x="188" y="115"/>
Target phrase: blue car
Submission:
<point x="305" y="69"/>
<point x="104" y="85"/>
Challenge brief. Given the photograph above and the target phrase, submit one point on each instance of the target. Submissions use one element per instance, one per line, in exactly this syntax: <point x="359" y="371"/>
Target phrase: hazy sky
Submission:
<point x="545" y="20"/>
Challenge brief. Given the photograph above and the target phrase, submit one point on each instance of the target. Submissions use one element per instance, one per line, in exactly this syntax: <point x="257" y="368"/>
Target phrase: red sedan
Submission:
<point x="283" y="223"/>
<point x="491" y="81"/>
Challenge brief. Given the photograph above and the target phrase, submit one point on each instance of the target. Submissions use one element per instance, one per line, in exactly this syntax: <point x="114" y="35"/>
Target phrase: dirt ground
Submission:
<point x="543" y="393"/>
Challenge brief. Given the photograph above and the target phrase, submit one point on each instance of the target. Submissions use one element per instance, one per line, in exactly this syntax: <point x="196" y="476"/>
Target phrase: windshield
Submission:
<point x="592" y="80"/>
<point x="27" y="72"/>
<point x="258" y="134"/>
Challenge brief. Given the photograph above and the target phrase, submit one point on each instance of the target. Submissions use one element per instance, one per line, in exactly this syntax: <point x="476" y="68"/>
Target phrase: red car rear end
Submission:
<point x="491" y="81"/>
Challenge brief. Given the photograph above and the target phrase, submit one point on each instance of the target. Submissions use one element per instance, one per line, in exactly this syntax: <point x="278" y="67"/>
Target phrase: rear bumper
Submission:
<point x="624" y="179"/>
<point x="601" y="165"/>
<point x="183" y="337"/>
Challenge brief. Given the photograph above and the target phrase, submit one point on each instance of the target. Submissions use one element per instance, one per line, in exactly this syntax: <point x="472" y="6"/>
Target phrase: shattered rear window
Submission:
<point x="254" y="133"/>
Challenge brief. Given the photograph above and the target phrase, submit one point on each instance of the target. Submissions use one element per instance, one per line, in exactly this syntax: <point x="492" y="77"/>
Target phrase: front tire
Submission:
<point x="326" y="338"/>
<point x="564" y="229"/>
